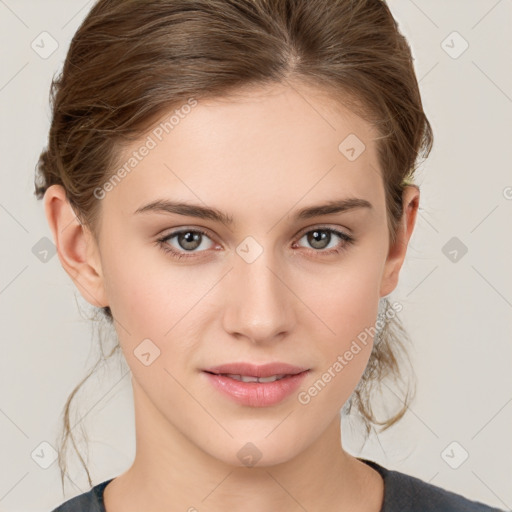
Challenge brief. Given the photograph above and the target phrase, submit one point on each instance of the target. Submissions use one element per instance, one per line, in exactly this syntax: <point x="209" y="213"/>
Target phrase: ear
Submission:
<point x="76" y="246"/>
<point x="397" y="250"/>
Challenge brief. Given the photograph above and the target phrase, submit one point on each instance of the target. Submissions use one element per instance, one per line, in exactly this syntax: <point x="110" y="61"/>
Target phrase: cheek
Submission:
<point x="143" y="290"/>
<point x="346" y="299"/>
<point x="152" y="307"/>
<point x="157" y="301"/>
<point x="347" y="306"/>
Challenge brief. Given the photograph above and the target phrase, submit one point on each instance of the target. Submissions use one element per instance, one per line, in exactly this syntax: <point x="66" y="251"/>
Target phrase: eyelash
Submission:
<point x="162" y="242"/>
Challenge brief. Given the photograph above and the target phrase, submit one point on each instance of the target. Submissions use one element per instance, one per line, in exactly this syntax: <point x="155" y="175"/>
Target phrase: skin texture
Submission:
<point x="259" y="157"/>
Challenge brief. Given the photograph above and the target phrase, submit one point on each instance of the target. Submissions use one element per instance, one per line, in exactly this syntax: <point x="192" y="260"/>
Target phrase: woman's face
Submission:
<point x="270" y="286"/>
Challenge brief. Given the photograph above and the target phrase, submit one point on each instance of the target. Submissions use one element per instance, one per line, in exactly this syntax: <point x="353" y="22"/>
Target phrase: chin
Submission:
<point x="257" y="452"/>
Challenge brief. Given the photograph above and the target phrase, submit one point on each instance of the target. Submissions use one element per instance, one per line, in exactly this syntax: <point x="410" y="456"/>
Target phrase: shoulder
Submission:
<point x="90" y="501"/>
<point x="406" y="493"/>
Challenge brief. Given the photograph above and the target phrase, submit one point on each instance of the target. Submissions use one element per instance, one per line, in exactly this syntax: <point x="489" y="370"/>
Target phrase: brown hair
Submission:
<point x="131" y="61"/>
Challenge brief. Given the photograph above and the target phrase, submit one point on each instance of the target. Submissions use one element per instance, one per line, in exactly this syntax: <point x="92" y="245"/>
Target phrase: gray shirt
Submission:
<point x="402" y="493"/>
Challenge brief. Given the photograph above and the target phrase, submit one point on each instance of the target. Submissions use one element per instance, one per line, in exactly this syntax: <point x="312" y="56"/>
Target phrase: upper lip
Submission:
<point x="249" y="369"/>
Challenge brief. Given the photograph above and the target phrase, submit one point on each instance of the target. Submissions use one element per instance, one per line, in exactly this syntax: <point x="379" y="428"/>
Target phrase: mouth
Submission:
<point x="256" y="386"/>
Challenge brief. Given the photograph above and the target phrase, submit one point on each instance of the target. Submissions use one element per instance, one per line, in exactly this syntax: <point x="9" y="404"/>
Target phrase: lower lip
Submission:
<point x="257" y="394"/>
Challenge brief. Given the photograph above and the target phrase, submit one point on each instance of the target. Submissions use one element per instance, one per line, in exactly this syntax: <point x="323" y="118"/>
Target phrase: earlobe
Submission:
<point x="76" y="247"/>
<point x="398" y="250"/>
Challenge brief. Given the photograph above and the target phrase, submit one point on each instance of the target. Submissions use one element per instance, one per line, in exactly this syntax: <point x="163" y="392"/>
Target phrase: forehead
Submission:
<point x="263" y="146"/>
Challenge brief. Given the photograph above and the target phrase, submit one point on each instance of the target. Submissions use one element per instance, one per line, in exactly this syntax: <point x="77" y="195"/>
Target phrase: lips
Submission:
<point x="247" y="370"/>
<point x="256" y="385"/>
<point x="257" y="393"/>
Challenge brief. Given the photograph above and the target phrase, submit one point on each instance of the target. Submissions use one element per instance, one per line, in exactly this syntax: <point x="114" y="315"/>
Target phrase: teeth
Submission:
<point x="250" y="378"/>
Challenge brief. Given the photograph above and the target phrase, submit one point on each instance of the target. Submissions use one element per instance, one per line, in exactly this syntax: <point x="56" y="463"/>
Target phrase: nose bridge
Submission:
<point x="259" y="303"/>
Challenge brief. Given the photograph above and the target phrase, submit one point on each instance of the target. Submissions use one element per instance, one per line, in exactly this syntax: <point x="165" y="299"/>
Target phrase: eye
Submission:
<point x="187" y="239"/>
<point x="321" y="237"/>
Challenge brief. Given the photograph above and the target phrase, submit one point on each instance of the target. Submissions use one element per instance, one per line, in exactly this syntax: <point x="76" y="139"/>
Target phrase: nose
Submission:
<point x="258" y="300"/>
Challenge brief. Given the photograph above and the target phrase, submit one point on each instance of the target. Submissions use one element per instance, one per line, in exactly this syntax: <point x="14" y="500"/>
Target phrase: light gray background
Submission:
<point x="458" y="314"/>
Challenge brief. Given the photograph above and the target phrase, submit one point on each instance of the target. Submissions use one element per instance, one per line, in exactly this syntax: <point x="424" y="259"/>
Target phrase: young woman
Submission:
<point x="230" y="181"/>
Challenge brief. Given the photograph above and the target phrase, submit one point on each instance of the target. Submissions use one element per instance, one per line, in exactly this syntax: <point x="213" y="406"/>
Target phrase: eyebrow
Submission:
<point x="204" y="212"/>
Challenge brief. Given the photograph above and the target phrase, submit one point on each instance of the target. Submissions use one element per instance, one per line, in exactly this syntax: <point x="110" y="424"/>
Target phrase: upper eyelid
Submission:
<point x="178" y="231"/>
<point x="323" y="226"/>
